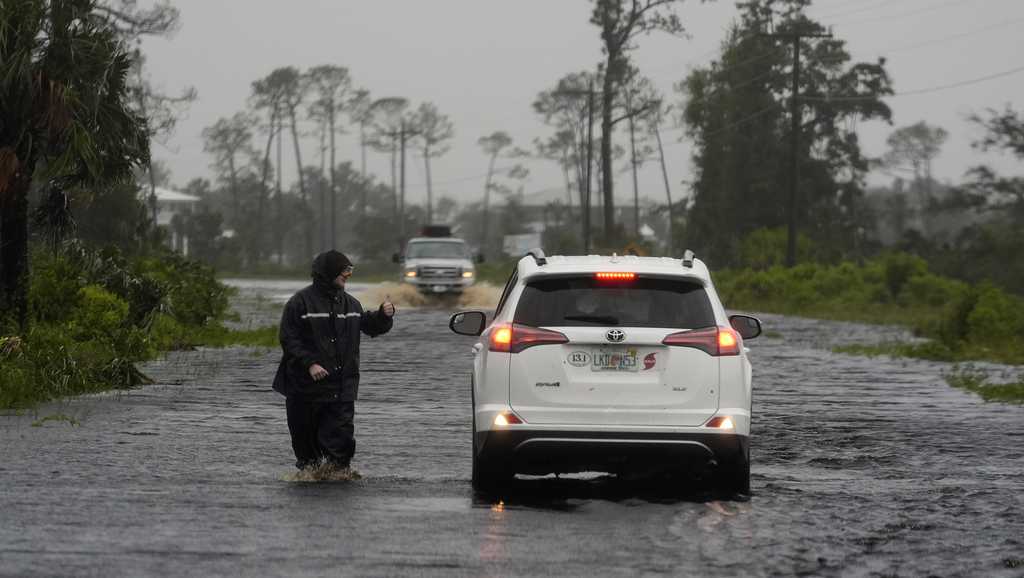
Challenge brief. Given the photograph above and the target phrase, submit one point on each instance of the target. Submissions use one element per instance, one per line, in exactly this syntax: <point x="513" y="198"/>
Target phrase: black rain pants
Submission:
<point x="321" y="431"/>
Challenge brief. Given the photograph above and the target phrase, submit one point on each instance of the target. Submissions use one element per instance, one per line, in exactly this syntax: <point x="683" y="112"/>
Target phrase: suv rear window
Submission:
<point x="586" y="302"/>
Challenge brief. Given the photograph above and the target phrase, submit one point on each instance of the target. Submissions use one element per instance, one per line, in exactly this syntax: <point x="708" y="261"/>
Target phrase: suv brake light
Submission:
<point x="715" y="341"/>
<point x="615" y="276"/>
<point x="515" y="338"/>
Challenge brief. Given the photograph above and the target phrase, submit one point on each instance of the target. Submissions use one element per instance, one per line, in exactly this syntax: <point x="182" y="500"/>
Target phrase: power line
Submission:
<point x="957" y="36"/>
<point x="919" y="90"/>
<point x="471" y="178"/>
<point x="867" y="8"/>
<point x="904" y="14"/>
<point x="729" y="126"/>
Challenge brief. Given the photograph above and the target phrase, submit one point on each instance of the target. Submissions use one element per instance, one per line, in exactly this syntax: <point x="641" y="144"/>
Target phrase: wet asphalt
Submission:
<point x="861" y="467"/>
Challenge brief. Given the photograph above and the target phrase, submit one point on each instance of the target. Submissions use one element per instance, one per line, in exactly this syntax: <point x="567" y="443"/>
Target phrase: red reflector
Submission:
<point x="615" y="276"/>
<point x="515" y="338"/>
<point x="506" y="418"/>
<point x="714" y="341"/>
<point x="722" y="421"/>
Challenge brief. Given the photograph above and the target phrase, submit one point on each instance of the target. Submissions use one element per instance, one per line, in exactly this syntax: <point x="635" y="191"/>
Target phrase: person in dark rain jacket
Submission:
<point x="319" y="372"/>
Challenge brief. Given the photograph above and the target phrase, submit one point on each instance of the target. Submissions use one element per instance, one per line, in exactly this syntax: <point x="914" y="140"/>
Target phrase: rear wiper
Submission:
<point x="604" y="319"/>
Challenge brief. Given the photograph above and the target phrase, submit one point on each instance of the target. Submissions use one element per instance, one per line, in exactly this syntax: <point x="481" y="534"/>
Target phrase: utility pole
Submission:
<point x="668" y="192"/>
<point x="404" y="134"/>
<point x="401" y="198"/>
<point x="795" y="117"/>
<point x="636" y="186"/>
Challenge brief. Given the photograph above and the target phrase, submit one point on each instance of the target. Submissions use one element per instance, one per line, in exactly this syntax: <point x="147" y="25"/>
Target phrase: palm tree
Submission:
<point x="331" y="86"/>
<point x="435" y="130"/>
<point x="492" y="146"/>
<point x="64" y="107"/>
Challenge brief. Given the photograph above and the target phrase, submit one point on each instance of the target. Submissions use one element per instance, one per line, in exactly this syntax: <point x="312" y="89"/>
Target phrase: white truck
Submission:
<point x="437" y="263"/>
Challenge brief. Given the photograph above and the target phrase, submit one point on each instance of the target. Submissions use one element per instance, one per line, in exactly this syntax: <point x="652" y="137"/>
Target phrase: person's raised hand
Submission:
<point x="387" y="307"/>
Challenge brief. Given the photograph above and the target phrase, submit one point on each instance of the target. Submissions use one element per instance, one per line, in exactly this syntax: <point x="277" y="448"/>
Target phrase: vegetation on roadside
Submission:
<point x="970" y="378"/>
<point x="962" y="321"/>
<point x="93" y="315"/>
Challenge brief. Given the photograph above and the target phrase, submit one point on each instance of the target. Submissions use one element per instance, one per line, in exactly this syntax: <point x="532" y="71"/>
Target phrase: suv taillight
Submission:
<point x="515" y="338"/>
<point x="714" y="341"/>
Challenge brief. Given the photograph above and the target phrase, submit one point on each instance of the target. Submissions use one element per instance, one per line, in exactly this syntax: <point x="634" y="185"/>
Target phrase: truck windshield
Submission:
<point x="436" y="249"/>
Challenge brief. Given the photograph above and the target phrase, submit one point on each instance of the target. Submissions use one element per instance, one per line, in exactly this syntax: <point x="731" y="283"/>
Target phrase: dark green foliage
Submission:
<point x="194" y="297"/>
<point x="962" y="321"/>
<point x="969" y="378"/>
<point x="96" y="314"/>
<point x="738" y="112"/>
<point x="899" y="269"/>
<point x="65" y="111"/>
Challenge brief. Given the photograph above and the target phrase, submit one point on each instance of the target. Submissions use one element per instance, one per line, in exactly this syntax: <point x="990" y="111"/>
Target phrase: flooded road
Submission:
<point x="861" y="467"/>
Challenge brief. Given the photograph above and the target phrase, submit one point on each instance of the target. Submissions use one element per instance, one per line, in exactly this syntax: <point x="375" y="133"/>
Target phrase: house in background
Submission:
<point x="171" y="207"/>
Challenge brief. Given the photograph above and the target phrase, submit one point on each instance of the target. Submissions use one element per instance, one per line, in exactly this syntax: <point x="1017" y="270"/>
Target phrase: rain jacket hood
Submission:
<point x="326" y="268"/>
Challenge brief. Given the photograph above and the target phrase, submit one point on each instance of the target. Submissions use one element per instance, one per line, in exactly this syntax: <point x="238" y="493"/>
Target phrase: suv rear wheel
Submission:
<point x="487" y="476"/>
<point x="734" y="477"/>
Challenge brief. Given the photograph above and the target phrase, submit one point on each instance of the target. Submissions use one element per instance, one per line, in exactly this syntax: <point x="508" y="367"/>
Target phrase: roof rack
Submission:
<point x="538" y="256"/>
<point x="688" y="259"/>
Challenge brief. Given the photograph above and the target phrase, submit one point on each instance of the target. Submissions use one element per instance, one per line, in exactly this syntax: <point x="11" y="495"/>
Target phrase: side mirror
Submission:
<point x="468" y="323"/>
<point x="479" y="258"/>
<point x="396" y="258"/>
<point x="748" y="327"/>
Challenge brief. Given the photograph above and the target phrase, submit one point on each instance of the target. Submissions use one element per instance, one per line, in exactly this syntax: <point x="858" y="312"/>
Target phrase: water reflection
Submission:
<point x="566" y="494"/>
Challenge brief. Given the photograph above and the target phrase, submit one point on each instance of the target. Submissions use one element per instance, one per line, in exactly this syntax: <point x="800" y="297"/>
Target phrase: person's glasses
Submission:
<point x="347" y="271"/>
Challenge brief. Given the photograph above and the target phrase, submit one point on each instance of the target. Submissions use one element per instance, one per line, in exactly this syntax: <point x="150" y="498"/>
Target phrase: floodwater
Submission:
<point x="862" y="467"/>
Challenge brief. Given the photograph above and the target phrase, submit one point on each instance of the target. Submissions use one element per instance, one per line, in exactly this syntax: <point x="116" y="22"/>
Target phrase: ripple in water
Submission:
<point x="324" y="473"/>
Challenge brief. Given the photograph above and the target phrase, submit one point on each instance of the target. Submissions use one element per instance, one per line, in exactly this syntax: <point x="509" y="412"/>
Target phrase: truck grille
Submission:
<point x="439" y="272"/>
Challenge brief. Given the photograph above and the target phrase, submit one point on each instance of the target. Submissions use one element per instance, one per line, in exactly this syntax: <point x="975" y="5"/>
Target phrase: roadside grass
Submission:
<point x="57" y="417"/>
<point x="960" y="321"/>
<point x="970" y="378"/>
<point x="935" y="351"/>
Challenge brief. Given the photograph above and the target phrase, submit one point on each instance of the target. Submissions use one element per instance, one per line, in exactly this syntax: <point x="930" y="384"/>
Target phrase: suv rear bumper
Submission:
<point x="560" y="451"/>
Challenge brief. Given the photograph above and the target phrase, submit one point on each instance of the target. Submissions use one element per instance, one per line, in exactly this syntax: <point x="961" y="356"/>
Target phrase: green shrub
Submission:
<point x="95" y="314"/>
<point x="996" y="317"/>
<point x="765" y="248"/>
<point x="100" y="314"/>
<point x="194" y="296"/>
<point x="54" y="283"/>
<point x="899" y="268"/>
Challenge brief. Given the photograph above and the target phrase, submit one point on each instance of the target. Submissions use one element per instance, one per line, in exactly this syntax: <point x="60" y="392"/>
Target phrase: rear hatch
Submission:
<point x="614" y="369"/>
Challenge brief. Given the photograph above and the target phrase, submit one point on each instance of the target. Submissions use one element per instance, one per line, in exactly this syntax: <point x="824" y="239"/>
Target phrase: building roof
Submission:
<point x="166" y="195"/>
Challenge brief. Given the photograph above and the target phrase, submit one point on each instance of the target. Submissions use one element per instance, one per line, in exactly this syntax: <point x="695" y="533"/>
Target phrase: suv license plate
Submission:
<point x="625" y="360"/>
<point x="439" y="288"/>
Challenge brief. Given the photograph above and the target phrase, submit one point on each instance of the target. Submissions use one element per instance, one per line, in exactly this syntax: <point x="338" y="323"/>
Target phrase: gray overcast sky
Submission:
<point x="482" y="62"/>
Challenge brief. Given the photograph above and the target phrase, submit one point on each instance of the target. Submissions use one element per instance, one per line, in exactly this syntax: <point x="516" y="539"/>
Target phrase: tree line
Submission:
<point x="75" y="126"/>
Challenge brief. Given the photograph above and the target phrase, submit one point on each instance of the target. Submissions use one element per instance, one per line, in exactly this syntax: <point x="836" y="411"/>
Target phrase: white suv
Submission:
<point x="612" y="364"/>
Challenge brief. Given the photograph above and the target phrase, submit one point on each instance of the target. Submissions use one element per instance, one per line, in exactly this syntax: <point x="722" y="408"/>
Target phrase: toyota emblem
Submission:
<point x="615" y="335"/>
